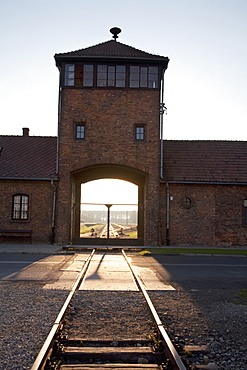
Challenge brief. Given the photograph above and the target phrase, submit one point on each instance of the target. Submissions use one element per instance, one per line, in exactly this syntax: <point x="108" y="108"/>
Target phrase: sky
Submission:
<point x="205" y="40"/>
<point x="109" y="191"/>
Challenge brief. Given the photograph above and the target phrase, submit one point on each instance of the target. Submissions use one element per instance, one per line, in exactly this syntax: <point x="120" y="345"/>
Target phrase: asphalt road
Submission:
<point x="32" y="267"/>
<point x="188" y="272"/>
<point x="192" y="272"/>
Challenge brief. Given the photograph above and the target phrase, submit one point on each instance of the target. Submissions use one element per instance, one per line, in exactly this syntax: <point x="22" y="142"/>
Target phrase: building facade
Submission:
<point x="110" y="126"/>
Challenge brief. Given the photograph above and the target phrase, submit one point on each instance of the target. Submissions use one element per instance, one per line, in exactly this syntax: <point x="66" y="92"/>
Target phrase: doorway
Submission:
<point x="108" y="206"/>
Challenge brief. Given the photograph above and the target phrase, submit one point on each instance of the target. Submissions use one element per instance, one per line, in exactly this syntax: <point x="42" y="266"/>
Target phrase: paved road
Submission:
<point x="189" y="272"/>
<point x="192" y="272"/>
<point x="32" y="266"/>
<point x="196" y="272"/>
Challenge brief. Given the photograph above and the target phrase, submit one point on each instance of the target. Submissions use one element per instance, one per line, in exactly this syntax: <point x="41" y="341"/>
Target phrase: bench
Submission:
<point x="16" y="234"/>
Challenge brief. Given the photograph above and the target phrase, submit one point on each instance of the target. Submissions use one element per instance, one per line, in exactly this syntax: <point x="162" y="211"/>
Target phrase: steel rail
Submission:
<point x="172" y="352"/>
<point x="42" y="356"/>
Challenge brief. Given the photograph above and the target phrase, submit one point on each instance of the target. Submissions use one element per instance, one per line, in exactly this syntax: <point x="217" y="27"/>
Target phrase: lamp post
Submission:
<point x="108" y="220"/>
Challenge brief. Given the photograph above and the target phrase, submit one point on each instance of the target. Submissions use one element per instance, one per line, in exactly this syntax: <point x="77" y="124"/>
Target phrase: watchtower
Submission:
<point x="109" y="127"/>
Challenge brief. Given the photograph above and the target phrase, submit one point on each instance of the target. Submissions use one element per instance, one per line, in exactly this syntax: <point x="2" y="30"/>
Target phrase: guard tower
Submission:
<point x="109" y="127"/>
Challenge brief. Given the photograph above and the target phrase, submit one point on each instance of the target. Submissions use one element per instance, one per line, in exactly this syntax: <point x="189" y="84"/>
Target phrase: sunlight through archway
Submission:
<point x="109" y="209"/>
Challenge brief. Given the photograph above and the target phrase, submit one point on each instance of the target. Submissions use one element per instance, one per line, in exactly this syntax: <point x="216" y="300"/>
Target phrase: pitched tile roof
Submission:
<point x="113" y="49"/>
<point x="29" y="157"/>
<point x="205" y="161"/>
<point x="34" y="157"/>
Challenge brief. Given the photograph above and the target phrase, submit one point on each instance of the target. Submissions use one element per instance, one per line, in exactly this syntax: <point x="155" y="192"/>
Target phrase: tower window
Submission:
<point x="80" y="131"/>
<point x="20" y="207"/>
<point x="88" y="75"/>
<point x="111" y="76"/>
<point x="146" y="77"/>
<point x="139" y="132"/>
<point x="69" y="78"/>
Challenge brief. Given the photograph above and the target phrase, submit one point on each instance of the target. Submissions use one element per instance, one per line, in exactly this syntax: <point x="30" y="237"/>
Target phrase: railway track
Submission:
<point x="113" y="233"/>
<point x="94" y="351"/>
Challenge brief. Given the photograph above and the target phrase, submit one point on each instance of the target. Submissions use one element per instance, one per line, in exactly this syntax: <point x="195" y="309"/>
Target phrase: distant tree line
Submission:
<point x="118" y="217"/>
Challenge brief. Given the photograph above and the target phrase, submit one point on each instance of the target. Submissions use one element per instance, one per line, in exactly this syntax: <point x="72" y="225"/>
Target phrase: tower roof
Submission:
<point x="111" y="50"/>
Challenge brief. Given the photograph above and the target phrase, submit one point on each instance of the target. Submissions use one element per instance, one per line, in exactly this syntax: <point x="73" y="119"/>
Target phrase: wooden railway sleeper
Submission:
<point x="81" y="354"/>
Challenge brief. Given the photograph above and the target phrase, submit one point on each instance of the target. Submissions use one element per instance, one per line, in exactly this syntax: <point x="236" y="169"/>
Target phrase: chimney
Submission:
<point x="25" y="131"/>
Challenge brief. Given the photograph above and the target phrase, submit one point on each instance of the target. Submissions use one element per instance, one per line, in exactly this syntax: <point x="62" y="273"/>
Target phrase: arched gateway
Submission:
<point x="111" y="172"/>
<point x="109" y="127"/>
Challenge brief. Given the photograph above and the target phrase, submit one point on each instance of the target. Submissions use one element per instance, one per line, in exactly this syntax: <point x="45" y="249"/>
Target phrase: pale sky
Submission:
<point x="206" y="41"/>
<point x="109" y="191"/>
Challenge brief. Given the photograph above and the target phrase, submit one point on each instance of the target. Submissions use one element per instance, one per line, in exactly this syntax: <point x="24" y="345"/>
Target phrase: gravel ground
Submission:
<point x="217" y="319"/>
<point x="26" y="315"/>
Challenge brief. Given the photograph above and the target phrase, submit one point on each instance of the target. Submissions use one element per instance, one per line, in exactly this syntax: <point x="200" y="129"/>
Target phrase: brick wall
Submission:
<point x="40" y="207"/>
<point x="110" y="117"/>
<point x="214" y="217"/>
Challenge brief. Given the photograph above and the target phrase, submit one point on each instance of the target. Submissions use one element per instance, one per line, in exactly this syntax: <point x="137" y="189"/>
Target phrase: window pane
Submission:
<point x="24" y="199"/>
<point x="80" y="132"/>
<point x="102" y="75"/>
<point x="87" y="82"/>
<point x="153" y="77"/>
<point x="120" y="83"/>
<point x="69" y="74"/>
<point x="102" y="68"/>
<point x="17" y="199"/>
<point x="153" y="70"/>
<point x="20" y="207"/>
<point x="140" y="133"/>
<point x="88" y="75"/>
<point x="111" y="69"/>
<point x="120" y="76"/>
<point x="111" y="82"/>
<point x="134" y="69"/>
<point x="16" y="211"/>
<point x="144" y="77"/>
<point x="101" y="83"/>
<point x="134" y="83"/>
<point x="121" y="69"/>
<point x="134" y="76"/>
<point x="111" y="76"/>
<point x="88" y="68"/>
<point x="24" y="210"/>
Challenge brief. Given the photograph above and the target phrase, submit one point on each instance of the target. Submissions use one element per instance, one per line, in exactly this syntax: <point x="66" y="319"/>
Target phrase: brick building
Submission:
<point x="110" y="126"/>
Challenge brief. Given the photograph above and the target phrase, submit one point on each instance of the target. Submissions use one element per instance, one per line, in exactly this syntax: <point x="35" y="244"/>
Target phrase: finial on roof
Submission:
<point x="115" y="31"/>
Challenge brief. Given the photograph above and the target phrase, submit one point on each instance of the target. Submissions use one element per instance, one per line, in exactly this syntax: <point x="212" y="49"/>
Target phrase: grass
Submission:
<point x="87" y="229"/>
<point x="132" y="234"/>
<point x="165" y="250"/>
<point x="242" y="297"/>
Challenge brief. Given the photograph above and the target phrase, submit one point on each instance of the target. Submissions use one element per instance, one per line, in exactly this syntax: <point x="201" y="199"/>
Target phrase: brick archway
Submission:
<point x="101" y="172"/>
